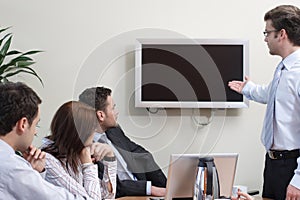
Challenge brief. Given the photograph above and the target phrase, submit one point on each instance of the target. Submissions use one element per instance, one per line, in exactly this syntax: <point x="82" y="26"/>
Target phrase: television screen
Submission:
<point x="183" y="73"/>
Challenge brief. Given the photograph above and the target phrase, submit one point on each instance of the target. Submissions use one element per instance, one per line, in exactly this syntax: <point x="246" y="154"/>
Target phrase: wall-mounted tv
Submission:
<point x="190" y="73"/>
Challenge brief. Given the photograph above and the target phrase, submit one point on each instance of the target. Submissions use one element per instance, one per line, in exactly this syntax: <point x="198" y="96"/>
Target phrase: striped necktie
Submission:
<point x="268" y="129"/>
<point x="102" y="139"/>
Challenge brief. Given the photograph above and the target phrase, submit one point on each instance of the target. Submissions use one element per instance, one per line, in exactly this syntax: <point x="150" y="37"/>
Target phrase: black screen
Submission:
<point x="190" y="72"/>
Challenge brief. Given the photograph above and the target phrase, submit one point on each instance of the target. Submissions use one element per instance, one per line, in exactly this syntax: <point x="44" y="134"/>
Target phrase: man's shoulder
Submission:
<point x="117" y="136"/>
<point x="115" y="131"/>
<point x="12" y="160"/>
<point x="14" y="166"/>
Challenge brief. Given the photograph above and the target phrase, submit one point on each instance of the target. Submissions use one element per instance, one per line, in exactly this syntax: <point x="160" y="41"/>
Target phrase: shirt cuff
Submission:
<point x="110" y="159"/>
<point x="296" y="181"/>
<point x="246" y="89"/>
<point x="43" y="173"/>
<point x="148" y="188"/>
<point x="86" y="165"/>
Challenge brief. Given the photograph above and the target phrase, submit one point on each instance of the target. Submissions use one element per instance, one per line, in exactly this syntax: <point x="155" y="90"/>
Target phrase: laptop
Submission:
<point x="183" y="170"/>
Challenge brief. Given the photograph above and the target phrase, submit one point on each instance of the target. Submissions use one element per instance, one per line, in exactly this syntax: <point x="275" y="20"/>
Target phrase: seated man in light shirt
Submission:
<point x="21" y="177"/>
<point x="138" y="174"/>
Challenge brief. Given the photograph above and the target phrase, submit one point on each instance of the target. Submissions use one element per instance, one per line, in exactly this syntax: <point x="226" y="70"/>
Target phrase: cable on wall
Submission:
<point x="153" y="110"/>
<point x="205" y="123"/>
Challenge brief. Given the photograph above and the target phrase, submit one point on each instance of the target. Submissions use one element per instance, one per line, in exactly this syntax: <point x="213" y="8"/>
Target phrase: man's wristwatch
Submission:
<point x="110" y="159"/>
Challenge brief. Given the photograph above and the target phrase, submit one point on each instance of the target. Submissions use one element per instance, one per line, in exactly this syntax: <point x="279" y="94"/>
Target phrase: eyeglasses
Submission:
<point x="37" y="127"/>
<point x="266" y="33"/>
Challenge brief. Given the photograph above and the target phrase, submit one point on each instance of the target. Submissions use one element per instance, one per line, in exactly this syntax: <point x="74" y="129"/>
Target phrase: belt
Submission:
<point x="285" y="154"/>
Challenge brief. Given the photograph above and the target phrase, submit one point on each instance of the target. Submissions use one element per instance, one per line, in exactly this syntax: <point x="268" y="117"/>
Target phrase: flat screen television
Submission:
<point x="190" y="73"/>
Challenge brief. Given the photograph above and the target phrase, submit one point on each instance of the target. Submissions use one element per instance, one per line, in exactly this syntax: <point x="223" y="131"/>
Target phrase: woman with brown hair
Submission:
<point x="71" y="153"/>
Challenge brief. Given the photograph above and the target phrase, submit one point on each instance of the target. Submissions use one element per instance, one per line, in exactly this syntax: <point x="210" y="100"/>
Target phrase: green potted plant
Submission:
<point x="13" y="62"/>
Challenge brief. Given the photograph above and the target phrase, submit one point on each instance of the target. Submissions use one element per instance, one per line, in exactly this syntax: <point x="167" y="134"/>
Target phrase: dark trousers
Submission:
<point x="277" y="176"/>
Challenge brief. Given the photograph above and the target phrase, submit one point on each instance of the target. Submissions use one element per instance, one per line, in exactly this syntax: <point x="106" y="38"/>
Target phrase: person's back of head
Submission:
<point x="286" y="17"/>
<point x="95" y="97"/>
<point x="72" y="125"/>
<point x="17" y="100"/>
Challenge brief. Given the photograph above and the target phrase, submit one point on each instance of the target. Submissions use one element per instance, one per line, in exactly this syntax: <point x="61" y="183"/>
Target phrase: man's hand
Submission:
<point x="238" y="85"/>
<point x="99" y="150"/>
<point x="36" y="158"/>
<point x="292" y="193"/>
<point x="158" y="191"/>
<point x="242" y="195"/>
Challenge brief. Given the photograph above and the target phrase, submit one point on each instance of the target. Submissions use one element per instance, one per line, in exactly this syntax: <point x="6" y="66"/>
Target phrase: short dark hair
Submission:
<point x="95" y="97"/>
<point x="17" y="100"/>
<point x="286" y="17"/>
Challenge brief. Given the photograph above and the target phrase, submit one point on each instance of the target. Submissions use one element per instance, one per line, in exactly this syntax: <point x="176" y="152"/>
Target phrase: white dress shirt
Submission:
<point x="123" y="172"/>
<point x="18" y="180"/>
<point x="287" y="107"/>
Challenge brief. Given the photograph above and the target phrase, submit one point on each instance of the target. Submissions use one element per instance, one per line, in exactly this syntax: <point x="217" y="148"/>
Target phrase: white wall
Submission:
<point x="89" y="43"/>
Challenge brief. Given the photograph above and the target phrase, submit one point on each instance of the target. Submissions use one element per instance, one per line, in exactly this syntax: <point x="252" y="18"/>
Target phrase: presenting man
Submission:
<point x="138" y="173"/>
<point x="281" y="130"/>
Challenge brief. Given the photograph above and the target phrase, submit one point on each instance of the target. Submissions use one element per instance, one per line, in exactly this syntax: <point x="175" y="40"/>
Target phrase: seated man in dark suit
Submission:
<point x="138" y="174"/>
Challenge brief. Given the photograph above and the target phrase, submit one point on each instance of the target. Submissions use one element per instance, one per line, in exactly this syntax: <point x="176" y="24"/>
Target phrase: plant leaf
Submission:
<point x="3" y="80"/>
<point x="17" y="61"/>
<point x="4" y="49"/>
<point x="20" y="58"/>
<point x="21" y="64"/>
<point x="16" y="72"/>
<point x="2" y="57"/>
<point x="4" y="38"/>
<point x="31" y="52"/>
<point x="14" y="68"/>
<point x="6" y="46"/>
<point x="14" y="62"/>
<point x="4" y="29"/>
<point x="32" y="72"/>
<point x="3" y="68"/>
<point x="13" y="52"/>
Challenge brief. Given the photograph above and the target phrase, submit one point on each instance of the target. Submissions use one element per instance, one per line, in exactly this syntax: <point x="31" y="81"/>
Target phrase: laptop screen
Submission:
<point x="183" y="170"/>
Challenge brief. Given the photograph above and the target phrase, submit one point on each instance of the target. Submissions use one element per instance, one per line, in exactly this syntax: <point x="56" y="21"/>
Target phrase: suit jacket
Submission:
<point x="139" y="161"/>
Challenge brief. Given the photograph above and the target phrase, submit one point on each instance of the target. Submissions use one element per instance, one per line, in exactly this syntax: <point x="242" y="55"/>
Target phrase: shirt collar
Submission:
<point x="292" y="60"/>
<point x="98" y="136"/>
<point x="6" y="147"/>
<point x="46" y="142"/>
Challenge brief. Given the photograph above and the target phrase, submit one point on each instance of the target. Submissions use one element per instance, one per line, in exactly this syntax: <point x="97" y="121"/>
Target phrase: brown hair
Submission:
<point x="286" y="17"/>
<point x="72" y="124"/>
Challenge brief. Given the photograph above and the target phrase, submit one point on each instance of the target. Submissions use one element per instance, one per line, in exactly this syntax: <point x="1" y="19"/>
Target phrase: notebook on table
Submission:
<point x="183" y="169"/>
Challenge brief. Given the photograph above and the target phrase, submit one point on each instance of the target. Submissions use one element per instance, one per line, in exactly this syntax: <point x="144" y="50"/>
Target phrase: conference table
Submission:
<point x="148" y="198"/>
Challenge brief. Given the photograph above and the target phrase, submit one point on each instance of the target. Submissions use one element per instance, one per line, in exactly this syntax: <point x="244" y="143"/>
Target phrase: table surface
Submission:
<point x="148" y="198"/>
